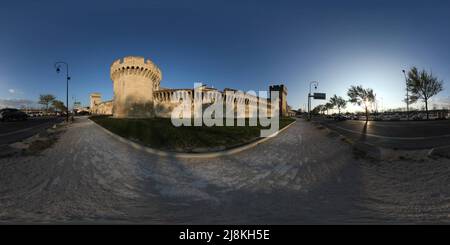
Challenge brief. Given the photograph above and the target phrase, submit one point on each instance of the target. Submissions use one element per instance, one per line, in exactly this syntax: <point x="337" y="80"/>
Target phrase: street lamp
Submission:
<point x="380" y="99"/>
<point x="58" y="70"/>
<point x="316" y="83"/>
<point x="407" y="96"/>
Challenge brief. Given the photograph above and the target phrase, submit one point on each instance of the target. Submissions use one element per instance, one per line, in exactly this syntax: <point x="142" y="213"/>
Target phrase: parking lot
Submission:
<point x="393" y="116"/>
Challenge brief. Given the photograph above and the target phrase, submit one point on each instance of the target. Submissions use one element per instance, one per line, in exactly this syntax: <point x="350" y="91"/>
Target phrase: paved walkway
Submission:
<point x="301" y="176"/>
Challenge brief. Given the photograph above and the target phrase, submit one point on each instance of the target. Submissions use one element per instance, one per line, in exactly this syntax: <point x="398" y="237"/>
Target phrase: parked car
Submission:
<point x="417" y="117"/>
<point x="9" y="114"/>
<point x="340" y="118"/>
<point x="377" y="118"/>
<point x="84" y="113"/>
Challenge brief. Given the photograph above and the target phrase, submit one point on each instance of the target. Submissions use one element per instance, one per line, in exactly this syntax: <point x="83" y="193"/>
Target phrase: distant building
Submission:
<point x="97" y="107"/>
<point x="290" y="112"/>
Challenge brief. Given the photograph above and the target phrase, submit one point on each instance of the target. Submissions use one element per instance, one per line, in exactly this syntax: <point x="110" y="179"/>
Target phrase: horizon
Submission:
<point x="247" y="45"/>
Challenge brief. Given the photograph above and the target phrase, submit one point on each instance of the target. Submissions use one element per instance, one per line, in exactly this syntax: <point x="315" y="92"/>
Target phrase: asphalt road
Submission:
<point x="396" y="134"/>
<point x="14" y="131"/>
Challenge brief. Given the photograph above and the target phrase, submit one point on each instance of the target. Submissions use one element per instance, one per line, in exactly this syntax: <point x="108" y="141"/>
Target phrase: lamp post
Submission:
<point x="407" y="96"/>
<point x="58" y="69"/>
<point x="381" y="104"/>
<point x="316" y="83"/>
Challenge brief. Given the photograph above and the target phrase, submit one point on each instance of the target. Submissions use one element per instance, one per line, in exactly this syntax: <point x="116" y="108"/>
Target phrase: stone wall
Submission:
<point x="103" y="108"/>
<point x="95" y="99"/>
<point x="137" y="93"/>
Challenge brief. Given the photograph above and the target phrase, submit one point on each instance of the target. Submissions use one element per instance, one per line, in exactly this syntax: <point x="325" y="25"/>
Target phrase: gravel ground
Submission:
<point x="301" y="176"/>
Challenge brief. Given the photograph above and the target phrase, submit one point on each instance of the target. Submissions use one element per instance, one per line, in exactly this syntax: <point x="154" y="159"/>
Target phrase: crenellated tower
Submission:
<point x="134" y="80"/>
<point x="282" y="93"/>
<point x="94" y="100"/>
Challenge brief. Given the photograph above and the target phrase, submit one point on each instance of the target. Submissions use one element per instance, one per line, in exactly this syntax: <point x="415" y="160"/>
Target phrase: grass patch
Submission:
<point x="159" y="133"/>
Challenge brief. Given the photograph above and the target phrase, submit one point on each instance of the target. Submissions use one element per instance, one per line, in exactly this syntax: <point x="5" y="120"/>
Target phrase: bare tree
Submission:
<point x="362" y="97"/>
<point x="423" y="85"/>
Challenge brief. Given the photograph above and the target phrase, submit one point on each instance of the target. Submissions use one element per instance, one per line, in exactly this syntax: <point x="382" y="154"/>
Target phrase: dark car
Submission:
<point x="83" y="113"/>
<point x="9" y="114"/>
<point x="340" y="118"/>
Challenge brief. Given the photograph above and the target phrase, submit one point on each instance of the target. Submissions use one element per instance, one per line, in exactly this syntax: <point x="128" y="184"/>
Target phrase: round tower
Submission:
<point x="134" y="80"/>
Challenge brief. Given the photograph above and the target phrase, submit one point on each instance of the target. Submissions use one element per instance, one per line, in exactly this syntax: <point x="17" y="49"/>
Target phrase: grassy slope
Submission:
<point x="159" y="133"/>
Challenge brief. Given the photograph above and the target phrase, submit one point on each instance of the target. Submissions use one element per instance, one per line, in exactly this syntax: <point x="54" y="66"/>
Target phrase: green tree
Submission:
<point x="328" y="106"/>
<point x="339" y="102"/>
<point x="362" y="97"/>
<point x="318" y="109"/>
<point x="58" y="105"/>
<point x="46" y="100"/>
<point x="423" y="85"/>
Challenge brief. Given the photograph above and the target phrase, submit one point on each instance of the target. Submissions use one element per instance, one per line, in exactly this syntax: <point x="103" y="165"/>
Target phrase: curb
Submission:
<point x="190" y="155"/>
<point x="442" y="151"/>
<point x="9" y="149"/>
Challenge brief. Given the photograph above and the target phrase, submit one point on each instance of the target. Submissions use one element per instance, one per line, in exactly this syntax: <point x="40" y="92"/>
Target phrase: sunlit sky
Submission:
<point x="246" y="45"/>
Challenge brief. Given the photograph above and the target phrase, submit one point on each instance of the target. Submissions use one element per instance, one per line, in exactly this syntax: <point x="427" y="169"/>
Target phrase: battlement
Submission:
<point x="280" y="88"/>
<point x="135" y="65"/>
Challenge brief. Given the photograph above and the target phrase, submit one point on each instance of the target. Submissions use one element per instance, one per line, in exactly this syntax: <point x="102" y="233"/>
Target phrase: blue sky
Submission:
<point x="240" y="44"/>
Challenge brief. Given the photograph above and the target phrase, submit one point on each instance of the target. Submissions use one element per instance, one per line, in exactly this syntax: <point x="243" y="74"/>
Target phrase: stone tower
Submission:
<point x="134" y="80"/>
<point x="282" y="93"/>
<point x="95" y="99"/>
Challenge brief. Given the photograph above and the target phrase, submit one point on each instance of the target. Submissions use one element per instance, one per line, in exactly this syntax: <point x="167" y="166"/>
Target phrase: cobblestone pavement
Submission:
<point x="304" y="175"/>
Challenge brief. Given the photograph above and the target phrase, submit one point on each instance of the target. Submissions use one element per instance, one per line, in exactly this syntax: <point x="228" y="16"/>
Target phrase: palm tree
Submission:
<point x="339" y="102"/>
<point x="423" y="85"/>
<point x="328" y="106"/>
<point x="318" y="109"/>
<point x="362" y="97"/>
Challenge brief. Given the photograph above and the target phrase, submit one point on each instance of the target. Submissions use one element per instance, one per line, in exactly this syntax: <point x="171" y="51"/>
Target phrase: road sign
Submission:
<point x="320" y="96"/>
